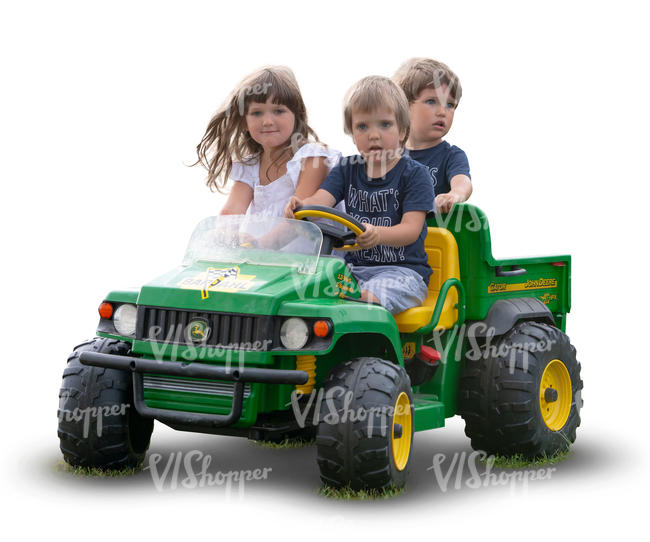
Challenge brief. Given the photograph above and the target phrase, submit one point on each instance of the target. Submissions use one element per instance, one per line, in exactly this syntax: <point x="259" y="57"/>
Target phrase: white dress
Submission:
<point x="271" y="199"/>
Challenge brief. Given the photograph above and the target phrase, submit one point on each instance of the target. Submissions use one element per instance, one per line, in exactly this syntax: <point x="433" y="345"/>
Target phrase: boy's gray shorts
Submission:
<point x="397" y="288"/>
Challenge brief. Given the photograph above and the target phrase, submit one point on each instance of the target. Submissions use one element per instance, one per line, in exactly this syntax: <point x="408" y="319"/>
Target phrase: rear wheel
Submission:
<point x="522" y="395"/>
<point x="98" y="424"/>
<point x="365" y="431"/>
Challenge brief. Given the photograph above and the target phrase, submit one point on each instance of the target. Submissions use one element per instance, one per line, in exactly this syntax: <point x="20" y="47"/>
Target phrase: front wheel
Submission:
<point x="522" y="395"/>
<point x="98" y="424"/>
<point x="365" y="430"/>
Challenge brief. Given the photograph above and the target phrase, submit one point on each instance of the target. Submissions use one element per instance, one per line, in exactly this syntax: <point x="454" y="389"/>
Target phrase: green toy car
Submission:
<point x="260" y="333"/>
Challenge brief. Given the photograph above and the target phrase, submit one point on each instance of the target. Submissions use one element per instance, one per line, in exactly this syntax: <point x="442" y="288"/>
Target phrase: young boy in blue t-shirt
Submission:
<point x="387" y="191"/>
<point x="433" y="92"/>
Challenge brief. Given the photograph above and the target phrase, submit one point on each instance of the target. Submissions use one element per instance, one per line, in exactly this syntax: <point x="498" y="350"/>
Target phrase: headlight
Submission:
<point x="294" y="333"/>
<point x="124" y="319"/>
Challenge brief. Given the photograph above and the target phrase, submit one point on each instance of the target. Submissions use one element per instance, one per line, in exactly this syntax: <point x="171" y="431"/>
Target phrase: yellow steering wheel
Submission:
<point x="340" y="240"/>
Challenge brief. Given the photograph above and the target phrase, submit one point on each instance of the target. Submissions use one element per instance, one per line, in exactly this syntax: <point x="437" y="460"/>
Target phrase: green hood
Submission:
<point x="239" y="288"/>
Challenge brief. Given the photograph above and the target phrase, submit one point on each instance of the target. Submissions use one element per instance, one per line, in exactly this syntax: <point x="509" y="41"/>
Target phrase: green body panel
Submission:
<point x="206" y="404"/>
<point x="123" y="296"/>
<point x="216" y="356"/>
<point x="349" y="317"/>
<point x="549" y="283"/>
<point x="427" y="412"/>
<point x="260" y="289"/>
<point x="358" y="329"/>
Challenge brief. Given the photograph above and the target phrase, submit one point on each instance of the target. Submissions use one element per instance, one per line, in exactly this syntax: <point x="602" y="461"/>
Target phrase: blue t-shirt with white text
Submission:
<point x="444" y="162"/>
<point x="382" y="202"/>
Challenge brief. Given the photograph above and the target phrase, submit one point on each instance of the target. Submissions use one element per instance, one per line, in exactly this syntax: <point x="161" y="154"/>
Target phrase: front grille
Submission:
<point x="224" y="330"/>
<point x="208" y="387"/>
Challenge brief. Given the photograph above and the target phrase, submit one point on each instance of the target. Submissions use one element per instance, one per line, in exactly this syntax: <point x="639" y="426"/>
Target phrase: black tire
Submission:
<point x="98" y="424"/>
<point x="359" y="453"/>
<point x="500" y="393"/>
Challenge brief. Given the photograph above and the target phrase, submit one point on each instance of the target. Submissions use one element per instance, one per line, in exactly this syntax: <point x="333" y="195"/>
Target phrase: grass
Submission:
<point x="286" y="443"/>
<point x="348" y="494"/>
<point x="519" y="461"/>
<point x="96" y="472"/>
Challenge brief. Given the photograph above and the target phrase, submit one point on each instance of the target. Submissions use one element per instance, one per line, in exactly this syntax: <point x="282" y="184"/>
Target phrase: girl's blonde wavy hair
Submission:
<point x="226" y="139"/>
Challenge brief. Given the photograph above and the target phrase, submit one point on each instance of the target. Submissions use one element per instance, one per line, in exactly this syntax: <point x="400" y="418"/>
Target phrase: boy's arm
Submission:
<point x="461" y="190"/>
<point x="402" y="234"/>
<point x="321" y="197"/>
<point x="416" y="200"/>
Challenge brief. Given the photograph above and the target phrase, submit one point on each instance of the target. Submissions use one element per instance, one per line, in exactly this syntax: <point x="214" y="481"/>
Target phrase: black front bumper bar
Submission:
<point x="195" y="370"/>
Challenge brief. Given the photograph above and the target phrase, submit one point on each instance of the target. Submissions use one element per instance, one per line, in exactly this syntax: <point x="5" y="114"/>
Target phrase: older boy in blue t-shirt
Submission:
<point x="433" y="92"/>
<point x="388" y="192"/>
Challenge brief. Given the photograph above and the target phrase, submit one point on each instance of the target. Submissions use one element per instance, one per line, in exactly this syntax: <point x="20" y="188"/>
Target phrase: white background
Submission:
<point x="102" y="106"/>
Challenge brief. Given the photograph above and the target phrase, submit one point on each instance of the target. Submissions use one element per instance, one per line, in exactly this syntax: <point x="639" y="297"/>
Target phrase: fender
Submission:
<point x="349" y="317"/>
<point x="505" y="313"/>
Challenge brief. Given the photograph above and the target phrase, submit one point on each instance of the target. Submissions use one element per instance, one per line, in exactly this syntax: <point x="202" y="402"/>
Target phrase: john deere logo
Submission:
<point x="198" y="330"/>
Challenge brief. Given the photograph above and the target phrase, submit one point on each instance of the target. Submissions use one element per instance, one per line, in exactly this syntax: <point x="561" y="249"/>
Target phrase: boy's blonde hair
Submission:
<point x="371" y="93"/>
<point x="226" y="139"/>
<point x="416" y="74"/>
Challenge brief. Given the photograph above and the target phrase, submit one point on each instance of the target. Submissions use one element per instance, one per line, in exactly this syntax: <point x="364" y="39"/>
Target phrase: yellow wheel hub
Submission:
<point x="401" y="434"/>
<point x="555" y="395"/>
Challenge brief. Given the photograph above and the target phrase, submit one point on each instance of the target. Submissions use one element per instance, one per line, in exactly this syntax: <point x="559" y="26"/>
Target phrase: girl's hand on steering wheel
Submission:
<point x="293" y="203"/>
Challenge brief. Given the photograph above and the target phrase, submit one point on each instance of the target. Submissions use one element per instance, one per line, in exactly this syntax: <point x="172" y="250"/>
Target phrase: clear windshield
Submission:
<point x="258" y="240"/>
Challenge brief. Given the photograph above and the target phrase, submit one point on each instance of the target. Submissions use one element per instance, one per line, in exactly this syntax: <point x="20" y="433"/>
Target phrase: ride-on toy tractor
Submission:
<point x="260" y="333"/>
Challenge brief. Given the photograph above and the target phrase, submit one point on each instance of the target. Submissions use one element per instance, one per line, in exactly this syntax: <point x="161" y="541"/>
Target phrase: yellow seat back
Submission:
<point x="442" y="252"/>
